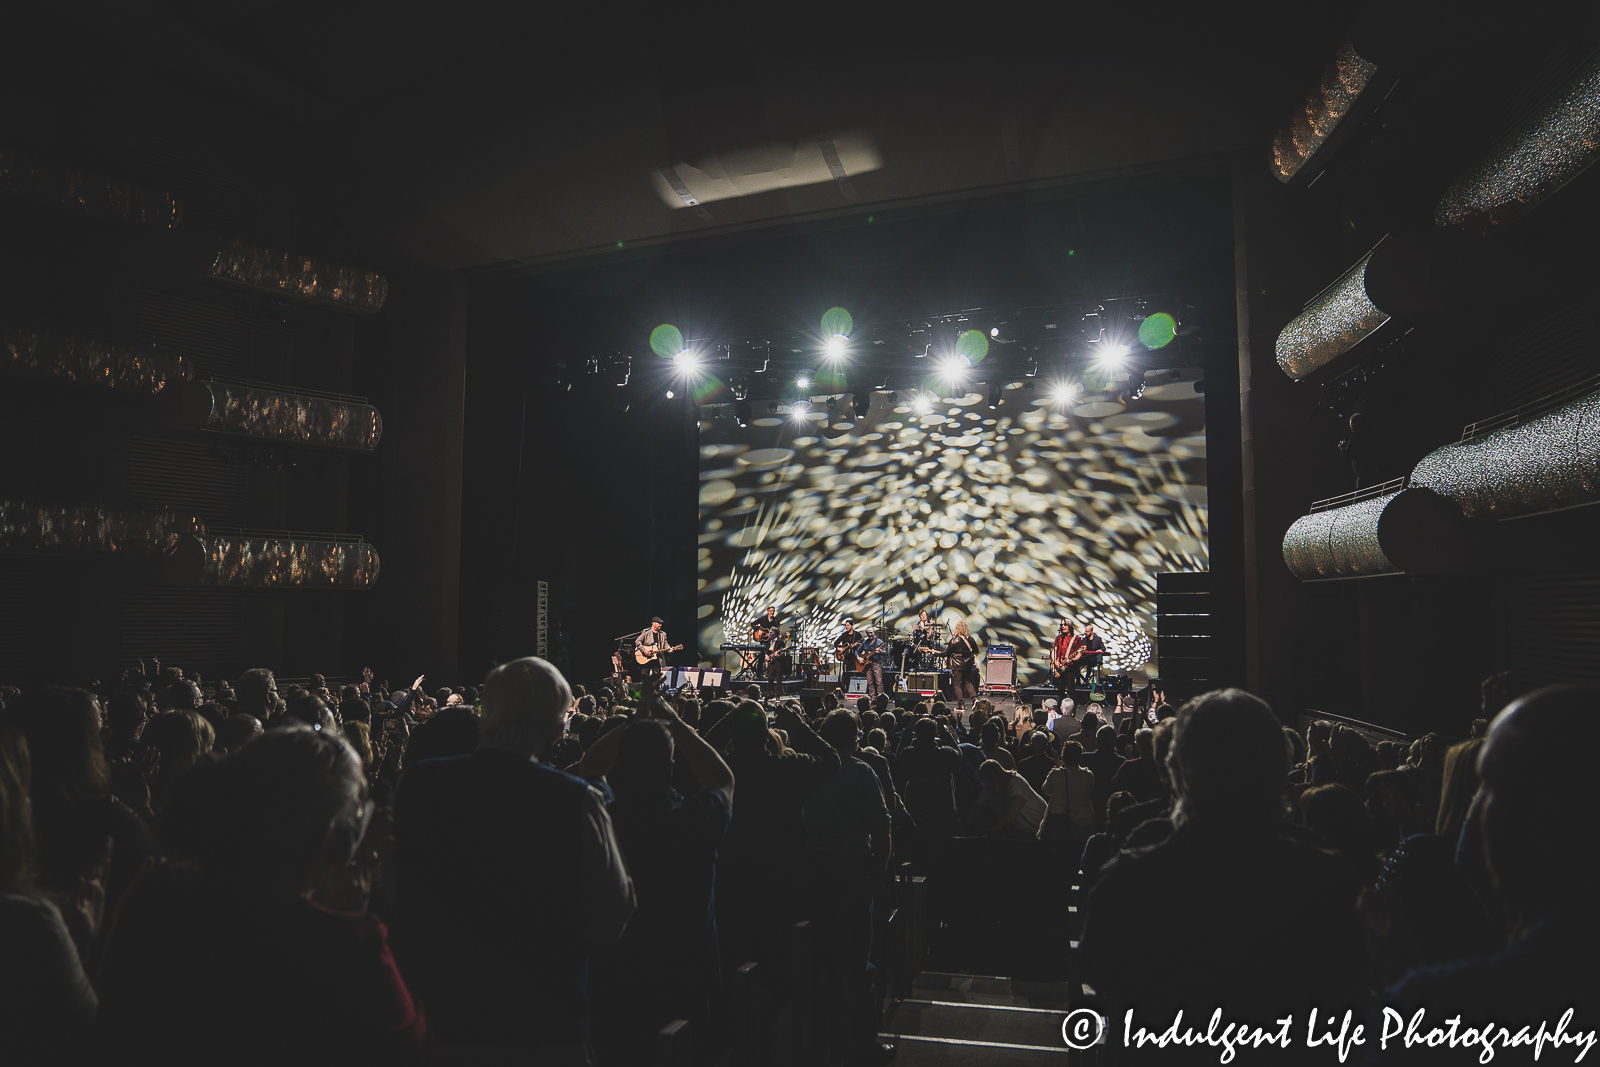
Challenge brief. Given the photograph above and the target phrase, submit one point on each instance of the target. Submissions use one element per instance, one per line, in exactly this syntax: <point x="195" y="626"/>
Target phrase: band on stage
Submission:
<point x="933" y="654"/>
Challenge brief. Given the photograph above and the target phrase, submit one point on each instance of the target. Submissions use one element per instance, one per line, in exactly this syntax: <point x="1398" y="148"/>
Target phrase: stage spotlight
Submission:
<point x="687" y="361"/>
<point x="922" y="404"/>
<point x="1109" y="356"/>
<point x="772" y="407"/>
<point x="953" y="369"/>
<point x="1063" y="393"/>
<point x="831" y="401"/>
<point x="803" y="381"/>
<point x="670" y="394"/>
<point x="835" y="346"/>
<point x="994" y="331"/>
<point x="800" y="408"/>
<point x="861" y="403"/>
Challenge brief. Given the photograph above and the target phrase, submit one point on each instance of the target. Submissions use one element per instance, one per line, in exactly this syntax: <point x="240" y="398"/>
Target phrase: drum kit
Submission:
<point x="768" y="643"/>
<point x="922" y="649"/>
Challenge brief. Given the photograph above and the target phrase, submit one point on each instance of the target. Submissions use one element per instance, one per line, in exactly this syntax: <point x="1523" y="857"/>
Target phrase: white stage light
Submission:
<point x="835" y="346"/>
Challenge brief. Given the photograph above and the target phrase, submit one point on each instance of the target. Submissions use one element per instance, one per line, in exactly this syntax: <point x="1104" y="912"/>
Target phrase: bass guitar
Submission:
<point x="644" y="655"/>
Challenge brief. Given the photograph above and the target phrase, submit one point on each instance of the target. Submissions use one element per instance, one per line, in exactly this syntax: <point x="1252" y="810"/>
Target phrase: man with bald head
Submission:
<point x="509" y="875"/>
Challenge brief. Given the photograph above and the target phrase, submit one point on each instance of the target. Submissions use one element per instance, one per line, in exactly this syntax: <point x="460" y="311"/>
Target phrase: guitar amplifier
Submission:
<point x="858" y="686"/>
<point x="922" y="681"/>
<point x="999" y="672"/>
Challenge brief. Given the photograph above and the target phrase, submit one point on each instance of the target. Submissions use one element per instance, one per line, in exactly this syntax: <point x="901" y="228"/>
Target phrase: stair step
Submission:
<point x="934" y="1052"/>
<point x="982" y="989"/>
<point x="988" y="1023"/>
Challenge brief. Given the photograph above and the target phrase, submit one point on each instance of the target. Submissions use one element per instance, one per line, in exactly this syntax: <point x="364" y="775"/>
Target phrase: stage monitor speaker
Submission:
<point x="714" y="678"/>
<point x="1000" y="670"/>
<point x="830" y="678"/>
<point x="688" y="676"/>
<point x="858" y="686"/>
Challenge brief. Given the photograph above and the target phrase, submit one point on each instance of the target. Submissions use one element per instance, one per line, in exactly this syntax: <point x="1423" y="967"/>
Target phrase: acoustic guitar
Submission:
<point x="646" y="655"/>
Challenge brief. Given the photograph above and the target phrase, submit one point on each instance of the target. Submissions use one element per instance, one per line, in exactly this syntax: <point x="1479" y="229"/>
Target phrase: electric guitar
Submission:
<point x="646" y="655"/>
<point x="1073" y="654"/>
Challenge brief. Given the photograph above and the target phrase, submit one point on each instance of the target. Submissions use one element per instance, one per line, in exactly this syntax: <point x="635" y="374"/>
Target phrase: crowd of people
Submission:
<point x="528" y="870"/>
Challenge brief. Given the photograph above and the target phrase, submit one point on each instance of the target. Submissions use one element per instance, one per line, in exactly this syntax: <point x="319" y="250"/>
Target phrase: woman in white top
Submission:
<point x="1068" y="789"/>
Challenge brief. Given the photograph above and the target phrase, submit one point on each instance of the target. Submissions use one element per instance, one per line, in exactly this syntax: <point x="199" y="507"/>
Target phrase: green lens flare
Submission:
<point x="666" y="340"/>
<point x="708" y="390"/>
<point x="1159" y="329"/>
<point x="836" y="322"/>
<point x="973" y="345"/>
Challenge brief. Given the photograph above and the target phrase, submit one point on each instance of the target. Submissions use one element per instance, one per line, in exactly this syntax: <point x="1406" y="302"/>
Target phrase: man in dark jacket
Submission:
<point x="666" y="965"/>
<point x="1228" y="912"/>
<point x="927" y="769"/>
<point x="509" y="876"/>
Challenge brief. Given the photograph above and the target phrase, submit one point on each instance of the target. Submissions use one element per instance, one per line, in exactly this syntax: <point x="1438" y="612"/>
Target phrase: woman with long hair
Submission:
<point x="963" y="653"/>
<point x="74" y="813"/>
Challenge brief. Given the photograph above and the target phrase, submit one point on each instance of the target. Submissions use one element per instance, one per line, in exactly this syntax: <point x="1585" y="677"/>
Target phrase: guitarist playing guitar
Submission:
<point x="868" y="660"/>
<point x="650" y="646"/>
<point x="1063" y="654"/>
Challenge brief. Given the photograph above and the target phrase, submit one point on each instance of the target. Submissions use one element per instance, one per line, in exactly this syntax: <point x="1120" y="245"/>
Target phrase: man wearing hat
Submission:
<point x="652" y="639"/>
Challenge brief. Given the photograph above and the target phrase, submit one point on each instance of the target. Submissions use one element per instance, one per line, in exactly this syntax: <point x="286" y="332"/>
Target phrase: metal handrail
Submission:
<point x="1530" y="409"/>
<point x="1393" y="485"/>
<point x="1314" y="715"/>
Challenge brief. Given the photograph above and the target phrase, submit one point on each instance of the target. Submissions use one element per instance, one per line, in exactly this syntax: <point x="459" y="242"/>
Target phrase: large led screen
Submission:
<point x="1010" y="518"/>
